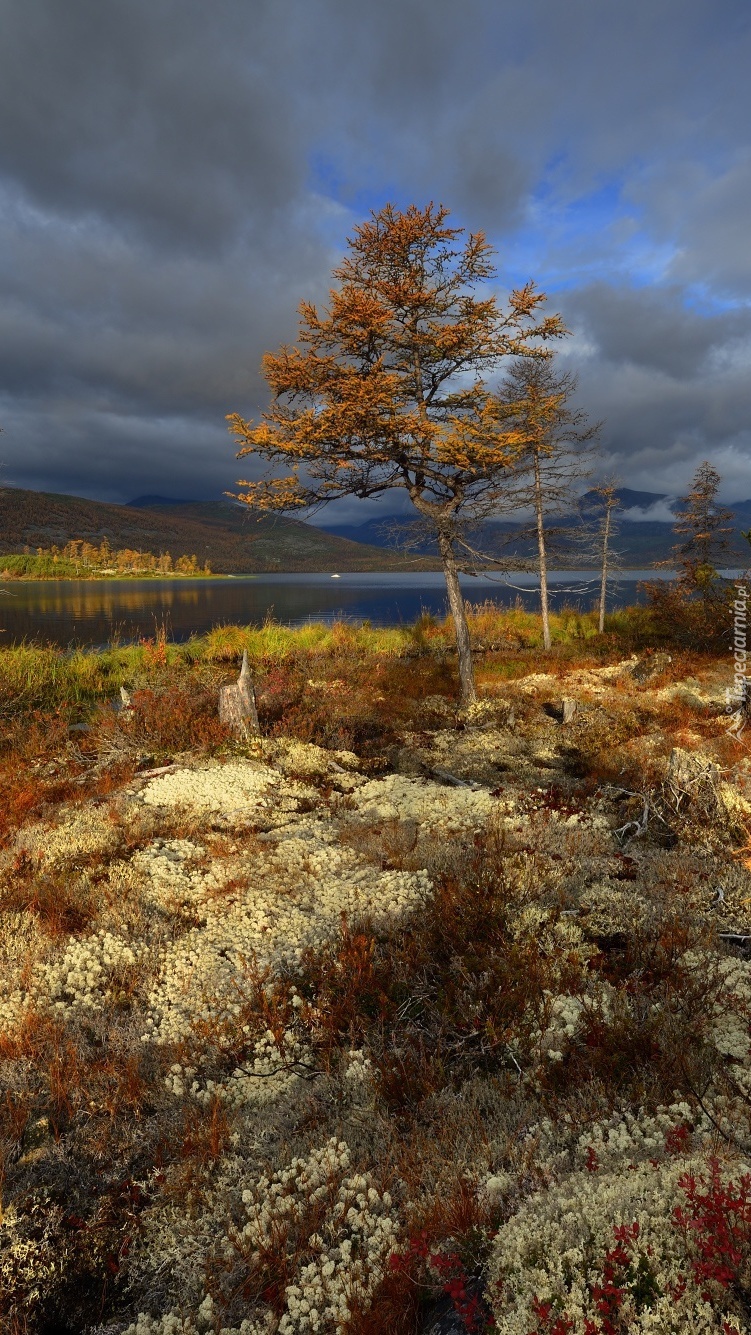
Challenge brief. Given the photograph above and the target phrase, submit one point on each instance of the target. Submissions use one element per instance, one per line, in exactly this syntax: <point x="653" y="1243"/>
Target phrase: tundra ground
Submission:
<point x="394" y="1012"/>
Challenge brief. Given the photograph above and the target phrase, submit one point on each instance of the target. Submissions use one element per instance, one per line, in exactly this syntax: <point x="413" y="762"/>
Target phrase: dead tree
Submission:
<point x="237" y="703"/>
<point x="557" y="453"/>
<point x="606" y="496"/>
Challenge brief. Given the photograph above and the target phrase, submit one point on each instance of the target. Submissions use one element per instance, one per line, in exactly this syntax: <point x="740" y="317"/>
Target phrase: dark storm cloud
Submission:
<point x="175" y="177"/>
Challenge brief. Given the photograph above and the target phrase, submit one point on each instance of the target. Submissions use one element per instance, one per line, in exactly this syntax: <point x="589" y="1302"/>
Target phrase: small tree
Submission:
<point x="607" y="493"/>
<point x="706" y="528"/>
<point x="387" y="387"/>
<point x="555" y="456"/>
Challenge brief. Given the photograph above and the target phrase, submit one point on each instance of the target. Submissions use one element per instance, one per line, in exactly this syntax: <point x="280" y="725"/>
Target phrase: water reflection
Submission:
<point x="96" y="612"/>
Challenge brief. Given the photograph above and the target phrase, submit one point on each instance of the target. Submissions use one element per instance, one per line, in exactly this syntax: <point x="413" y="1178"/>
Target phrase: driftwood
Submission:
<point x="735" y="941"/>
<point x="237" y="703"/>
<point x="446" y="777"/>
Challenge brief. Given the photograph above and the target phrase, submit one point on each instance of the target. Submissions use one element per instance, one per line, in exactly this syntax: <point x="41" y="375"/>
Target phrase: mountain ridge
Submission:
<point x="233" y="539"/>
<point x="640" y="541"/>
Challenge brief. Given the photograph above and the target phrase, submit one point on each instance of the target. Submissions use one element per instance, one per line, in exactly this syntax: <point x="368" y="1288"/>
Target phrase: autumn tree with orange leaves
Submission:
<point x="388" y="387"/>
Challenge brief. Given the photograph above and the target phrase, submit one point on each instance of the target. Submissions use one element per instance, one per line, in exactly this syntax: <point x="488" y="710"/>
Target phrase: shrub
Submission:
<point x="176" y="718"/>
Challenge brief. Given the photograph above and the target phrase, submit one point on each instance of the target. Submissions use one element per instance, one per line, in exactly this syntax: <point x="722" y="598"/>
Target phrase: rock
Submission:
<point x="305" y="761"/>
<point x="483" y="713"/>
<point x="443" y="1319"/>
<point x="736" y="806"/>
<point x="567" y="710"/>
<point x="439" y="706"/>
<point x="445" y="1322"/>
<point x="36" y="1140"/>
<point x="650" y="666"/>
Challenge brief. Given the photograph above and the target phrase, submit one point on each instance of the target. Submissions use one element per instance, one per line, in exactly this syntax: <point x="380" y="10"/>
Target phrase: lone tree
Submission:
<point x="556" y="454"/>
<point x="706" y="528"/>
<point x="387" y="388"/>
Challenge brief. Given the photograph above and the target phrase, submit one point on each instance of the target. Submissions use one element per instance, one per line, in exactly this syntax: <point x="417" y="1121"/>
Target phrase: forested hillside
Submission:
<point x="232" y="539"/>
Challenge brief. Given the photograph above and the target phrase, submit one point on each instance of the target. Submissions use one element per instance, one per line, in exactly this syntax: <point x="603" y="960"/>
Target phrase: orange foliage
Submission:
<point x="371" y="399"/>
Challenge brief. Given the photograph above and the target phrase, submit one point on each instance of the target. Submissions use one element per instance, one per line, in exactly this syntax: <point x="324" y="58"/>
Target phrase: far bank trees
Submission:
<point x="606" y="496"/>
<point x="388" y="387"/>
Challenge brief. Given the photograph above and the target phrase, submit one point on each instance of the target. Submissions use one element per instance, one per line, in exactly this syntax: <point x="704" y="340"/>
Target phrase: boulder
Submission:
<point x="650" y="666"/>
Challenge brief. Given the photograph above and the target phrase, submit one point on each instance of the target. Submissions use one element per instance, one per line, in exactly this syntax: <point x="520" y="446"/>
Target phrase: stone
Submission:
<point x="37" y="1139"/>
<point x="650" y="666"/>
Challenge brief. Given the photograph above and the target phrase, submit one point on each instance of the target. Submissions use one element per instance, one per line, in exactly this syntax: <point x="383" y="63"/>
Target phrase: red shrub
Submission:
<point x="177" y="718"/>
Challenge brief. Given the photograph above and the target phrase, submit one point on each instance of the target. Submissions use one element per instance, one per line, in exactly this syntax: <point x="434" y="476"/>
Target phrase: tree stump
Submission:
<point x="567" y="710"/>
<point x="237" y="703"/>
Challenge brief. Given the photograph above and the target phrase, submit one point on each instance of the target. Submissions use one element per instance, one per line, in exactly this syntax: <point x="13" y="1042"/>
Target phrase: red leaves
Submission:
<point x="548" y="1323"/>
<point x="677" y="1139"/>
<point x="453" y="1278"/>
<point x="591" y="1162"/>
<point x="610" y="1296"/>
<point x="717" y="1223"/>
<point x="621" y="1278"/>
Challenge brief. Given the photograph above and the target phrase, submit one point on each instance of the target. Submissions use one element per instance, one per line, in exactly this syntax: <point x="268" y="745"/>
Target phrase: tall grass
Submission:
<point x="46" y="677"/>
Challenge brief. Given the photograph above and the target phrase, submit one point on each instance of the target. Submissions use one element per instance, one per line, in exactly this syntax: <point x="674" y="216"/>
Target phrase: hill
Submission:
<point x="233" y="539"/>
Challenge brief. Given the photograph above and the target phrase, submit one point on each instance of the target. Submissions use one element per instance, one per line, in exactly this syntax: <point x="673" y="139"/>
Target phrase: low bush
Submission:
<point x="177" y="718"/>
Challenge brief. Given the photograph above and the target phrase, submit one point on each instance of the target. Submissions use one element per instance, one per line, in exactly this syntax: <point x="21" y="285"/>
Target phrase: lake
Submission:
<point x="96" y="612"/>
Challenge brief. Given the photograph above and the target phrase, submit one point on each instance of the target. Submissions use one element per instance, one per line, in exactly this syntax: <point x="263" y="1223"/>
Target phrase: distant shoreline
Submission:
<point x="162" y="577"/>
<point x="100" y="578"/>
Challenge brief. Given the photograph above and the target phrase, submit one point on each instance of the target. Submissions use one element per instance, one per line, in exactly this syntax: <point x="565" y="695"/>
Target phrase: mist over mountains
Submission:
<point x="645" y="527"/>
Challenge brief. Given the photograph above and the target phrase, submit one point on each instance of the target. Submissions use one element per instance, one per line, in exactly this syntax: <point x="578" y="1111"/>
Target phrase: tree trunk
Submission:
<point x="237" y="705"/>
<point x="546" y="641"/>
<point x="604" y="583"/>
<point x="459" y="615"/>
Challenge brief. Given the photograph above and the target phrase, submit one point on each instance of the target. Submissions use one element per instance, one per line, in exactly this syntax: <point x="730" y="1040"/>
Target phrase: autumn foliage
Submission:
<point x="388" y="388"/>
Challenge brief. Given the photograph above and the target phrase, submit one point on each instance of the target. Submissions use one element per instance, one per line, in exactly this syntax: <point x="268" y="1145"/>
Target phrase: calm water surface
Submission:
<point x="87" y="612"/>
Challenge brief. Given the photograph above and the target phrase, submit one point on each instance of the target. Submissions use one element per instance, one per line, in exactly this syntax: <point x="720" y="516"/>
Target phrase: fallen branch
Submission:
<point x="454" y="780"/>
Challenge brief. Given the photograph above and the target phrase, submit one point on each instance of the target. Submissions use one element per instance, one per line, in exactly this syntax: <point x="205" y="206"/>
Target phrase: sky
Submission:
<point x="176" y="176"/>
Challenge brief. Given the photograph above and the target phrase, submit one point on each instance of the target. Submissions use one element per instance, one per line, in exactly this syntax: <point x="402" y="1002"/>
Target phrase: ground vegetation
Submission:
<point x="332" y="1029"/>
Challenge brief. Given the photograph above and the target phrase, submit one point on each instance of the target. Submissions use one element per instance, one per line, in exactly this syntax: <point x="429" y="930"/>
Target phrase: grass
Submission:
<point x="38" y="676"/>
<point x="122" y="1195"/>
<point x="377" y="675"/>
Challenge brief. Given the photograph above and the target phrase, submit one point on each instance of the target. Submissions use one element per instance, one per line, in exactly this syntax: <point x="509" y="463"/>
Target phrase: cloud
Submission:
<point x="174" y="178"/>
<point x="660" y="512"/>
<point x="654" y="328"/>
